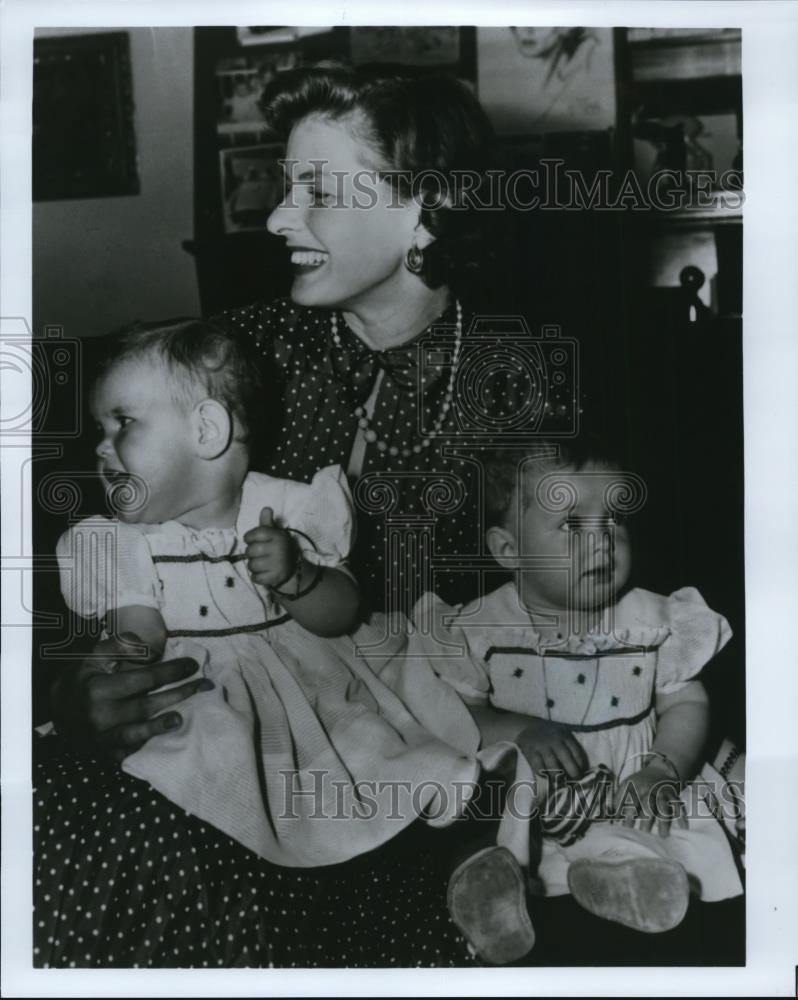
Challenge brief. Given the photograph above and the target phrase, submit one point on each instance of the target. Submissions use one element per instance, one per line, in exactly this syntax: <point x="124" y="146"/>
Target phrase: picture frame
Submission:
<point x="408" y="45"/>
<point x="446" y="49"/>
<point x="568" y="74"/>
<point x="251" y="185"/>
<point x="84" y="139"/>
<point x="239" y="81"/>
<point x="270" y="35"/>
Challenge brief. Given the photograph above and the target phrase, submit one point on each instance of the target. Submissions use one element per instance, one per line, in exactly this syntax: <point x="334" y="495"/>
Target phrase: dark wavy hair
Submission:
<point x="198" y="356"/>
<point x="423" y="127"/>
<point x="501" y="466"/>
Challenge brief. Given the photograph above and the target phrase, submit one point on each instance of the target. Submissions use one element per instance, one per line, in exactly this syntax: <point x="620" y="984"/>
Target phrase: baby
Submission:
<point x="245" y="573"/>
<point x="599" y="682"/>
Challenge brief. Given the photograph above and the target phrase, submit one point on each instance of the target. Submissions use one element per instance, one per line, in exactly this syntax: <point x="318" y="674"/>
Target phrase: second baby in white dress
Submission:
<point x="595" y="683"/>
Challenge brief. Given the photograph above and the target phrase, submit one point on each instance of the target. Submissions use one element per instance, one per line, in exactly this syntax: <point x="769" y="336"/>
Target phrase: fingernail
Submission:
<point x="172" y="721"/>
<point x="205" y="685"/>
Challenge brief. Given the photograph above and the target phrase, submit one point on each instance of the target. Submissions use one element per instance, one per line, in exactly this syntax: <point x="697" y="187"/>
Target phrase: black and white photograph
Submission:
<point x="252" y="185"/>
<point x="384" y="550"/>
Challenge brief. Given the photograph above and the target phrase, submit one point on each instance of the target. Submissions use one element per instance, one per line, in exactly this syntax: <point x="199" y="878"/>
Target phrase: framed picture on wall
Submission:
<point x="411" y="46"/>
<point x="84" y="142"/>
<point x="239" y="83"/>
<point x="537" y="80"/>
<point x="272" y="35"/>
<point x="446" y="49"/>
<point x="252" y="185"/>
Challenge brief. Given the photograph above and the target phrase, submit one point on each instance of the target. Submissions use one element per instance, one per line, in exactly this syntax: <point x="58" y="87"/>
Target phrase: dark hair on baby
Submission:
<point x="502" y="466"/>
<point x="425" y="127"/>
<point x="200" y="357"/>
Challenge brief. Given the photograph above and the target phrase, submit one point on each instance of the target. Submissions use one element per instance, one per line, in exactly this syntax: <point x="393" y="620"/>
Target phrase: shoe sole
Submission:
<point x="647" y="894"/>
<point x="487" y="901"/>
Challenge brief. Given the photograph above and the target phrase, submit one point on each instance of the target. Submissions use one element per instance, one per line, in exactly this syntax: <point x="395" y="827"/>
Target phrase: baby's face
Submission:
<point x="146" y="452"/>
<point x="590" y="557"/>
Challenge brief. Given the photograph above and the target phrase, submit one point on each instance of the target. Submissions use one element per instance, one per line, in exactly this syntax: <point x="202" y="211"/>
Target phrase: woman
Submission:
<point x="383" y="253"/>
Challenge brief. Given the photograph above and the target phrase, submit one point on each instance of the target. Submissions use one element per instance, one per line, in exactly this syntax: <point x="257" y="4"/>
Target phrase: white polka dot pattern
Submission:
<point x="321" y="385"/>
<point x="124" y="879"/>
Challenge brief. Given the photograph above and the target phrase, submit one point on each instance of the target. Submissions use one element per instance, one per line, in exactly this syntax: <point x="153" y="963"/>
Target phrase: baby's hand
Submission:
<point x="550" y="746"/>
<point x="650" y="795"/>
<point x="271" y="553"/>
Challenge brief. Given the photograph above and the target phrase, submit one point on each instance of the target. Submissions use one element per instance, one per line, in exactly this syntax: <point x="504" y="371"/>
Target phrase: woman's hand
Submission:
<point x="271" y="552"/>
<point x="108" y="698"/>
<point x="649" y="796"/>
<point x="551" y="746"/>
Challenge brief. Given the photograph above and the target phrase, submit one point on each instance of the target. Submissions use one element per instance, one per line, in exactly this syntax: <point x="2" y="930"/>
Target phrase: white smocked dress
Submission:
<point x="603" y="686"/>
<point x="309" y="751"/>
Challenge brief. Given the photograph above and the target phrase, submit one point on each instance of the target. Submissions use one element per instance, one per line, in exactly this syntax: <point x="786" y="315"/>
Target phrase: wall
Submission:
<point x="102" y="262"/>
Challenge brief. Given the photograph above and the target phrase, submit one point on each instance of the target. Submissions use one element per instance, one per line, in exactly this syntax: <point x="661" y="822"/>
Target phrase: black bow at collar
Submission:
<point x="408" y="366"/>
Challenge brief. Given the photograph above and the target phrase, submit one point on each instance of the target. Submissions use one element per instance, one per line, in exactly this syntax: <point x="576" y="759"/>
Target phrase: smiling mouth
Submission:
<point x="306" y="261"/>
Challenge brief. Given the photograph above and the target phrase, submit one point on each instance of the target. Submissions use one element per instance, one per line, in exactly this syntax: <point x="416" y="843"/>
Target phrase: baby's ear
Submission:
<point x="502" y="545"/>
<point x="213" y="428"/>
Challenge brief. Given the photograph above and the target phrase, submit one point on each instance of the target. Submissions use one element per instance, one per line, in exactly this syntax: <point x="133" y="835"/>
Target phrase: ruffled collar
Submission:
<point x="508" y="623"/>
<point x="248" y="517"/>
<point x="211" y="540"/>
<point x="600" y="642"/>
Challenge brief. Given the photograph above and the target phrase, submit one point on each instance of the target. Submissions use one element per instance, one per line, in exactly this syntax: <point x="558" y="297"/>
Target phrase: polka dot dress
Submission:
<point x="125" y="879"/>
<point x="418" y="508"/>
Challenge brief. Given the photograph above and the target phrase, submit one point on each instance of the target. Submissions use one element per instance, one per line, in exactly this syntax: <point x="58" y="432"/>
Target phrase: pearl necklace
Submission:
<point x="364" y="421"/>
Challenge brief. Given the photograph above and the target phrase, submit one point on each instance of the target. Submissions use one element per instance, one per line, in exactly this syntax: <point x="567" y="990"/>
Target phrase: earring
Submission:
<point x="414" y="259"/>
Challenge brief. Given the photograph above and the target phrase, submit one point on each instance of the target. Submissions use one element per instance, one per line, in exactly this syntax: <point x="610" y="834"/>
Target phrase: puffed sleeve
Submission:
<point x="697" y="633"/>
<point x="322" y="510"/>
<point x="104" y="565"/>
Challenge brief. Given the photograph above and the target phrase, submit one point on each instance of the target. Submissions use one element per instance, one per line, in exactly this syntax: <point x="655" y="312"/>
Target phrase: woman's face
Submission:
<point x="534" y="42"/>
<point x="346" y="229"/>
